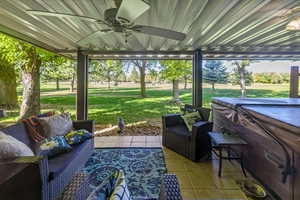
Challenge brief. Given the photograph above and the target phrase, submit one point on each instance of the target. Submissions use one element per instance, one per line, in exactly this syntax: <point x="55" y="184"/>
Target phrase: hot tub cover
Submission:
<point x="284" y="110"/>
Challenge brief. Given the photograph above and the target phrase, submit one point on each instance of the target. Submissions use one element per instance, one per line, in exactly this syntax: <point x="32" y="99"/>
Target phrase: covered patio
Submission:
<point x="207" y="30"/>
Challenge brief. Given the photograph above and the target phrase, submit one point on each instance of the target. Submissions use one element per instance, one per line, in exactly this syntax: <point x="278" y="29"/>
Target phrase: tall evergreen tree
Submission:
<point x="214" y="72"/>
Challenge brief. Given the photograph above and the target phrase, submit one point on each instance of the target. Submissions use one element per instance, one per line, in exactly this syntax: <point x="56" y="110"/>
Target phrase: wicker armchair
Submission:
<point x="195" y="144"/>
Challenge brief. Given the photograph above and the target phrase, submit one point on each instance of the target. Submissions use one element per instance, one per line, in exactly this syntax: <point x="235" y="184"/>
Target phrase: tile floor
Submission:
<point x="197" y="180"/>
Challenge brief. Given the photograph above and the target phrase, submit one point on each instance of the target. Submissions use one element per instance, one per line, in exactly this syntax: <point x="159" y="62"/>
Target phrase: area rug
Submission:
<point x="143" y="167"/>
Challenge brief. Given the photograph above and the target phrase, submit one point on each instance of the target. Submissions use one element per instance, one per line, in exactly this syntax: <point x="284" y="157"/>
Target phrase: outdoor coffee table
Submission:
<point x="222" y="142"/>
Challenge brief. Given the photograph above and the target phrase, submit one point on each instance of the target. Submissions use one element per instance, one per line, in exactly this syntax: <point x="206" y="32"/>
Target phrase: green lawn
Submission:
<point x="106" y="105"/>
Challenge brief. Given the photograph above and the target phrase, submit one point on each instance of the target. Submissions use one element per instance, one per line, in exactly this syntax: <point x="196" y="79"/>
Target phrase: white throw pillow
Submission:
<point x="11" y="148"/>
<point x="56" y="125"/>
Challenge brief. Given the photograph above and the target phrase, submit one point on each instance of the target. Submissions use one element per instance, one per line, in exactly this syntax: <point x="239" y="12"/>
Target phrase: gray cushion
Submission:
<point x="11" y="148"/>
<point x="56" y="125"/>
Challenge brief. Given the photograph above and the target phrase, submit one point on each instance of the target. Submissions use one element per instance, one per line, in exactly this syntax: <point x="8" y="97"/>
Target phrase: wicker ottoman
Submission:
<point x="78" y="188"/>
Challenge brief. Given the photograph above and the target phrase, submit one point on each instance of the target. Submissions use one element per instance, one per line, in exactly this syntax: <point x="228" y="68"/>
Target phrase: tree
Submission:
<point x="8" y="85"/>
<point x="30" y="69"/>
<point x="142" y="66"/>
<point x="58" y="68"/>
<point x="271" y="77"/>
<point x="241" y="75"/>
<point x="134" y="75"/>
<point x="175" y="70"/>
<point x="214" y="72"/>
<point x="110" y="70"/>
<point x="27" y="59"/>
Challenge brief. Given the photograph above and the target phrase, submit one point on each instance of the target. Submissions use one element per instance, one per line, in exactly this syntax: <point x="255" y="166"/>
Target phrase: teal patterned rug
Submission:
<point x="143" y="167"/>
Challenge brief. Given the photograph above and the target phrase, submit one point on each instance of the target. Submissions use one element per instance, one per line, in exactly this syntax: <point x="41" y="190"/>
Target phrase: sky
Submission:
<point x="268" y="66"/>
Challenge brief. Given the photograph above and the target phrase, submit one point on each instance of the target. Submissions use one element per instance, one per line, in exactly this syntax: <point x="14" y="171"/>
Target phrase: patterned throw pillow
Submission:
<point x="54" y="146"/>
<point x="78" y="136"/>
<point x="112" y="188"/>
<point x="190" y="119"/>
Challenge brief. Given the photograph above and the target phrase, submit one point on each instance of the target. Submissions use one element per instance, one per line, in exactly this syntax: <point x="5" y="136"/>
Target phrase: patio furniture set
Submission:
<point x="60" y="177"/>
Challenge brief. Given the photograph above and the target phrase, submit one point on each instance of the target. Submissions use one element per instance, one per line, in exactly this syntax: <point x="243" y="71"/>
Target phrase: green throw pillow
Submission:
<point x="78" y="136"/>
<point x="190" y="119"/>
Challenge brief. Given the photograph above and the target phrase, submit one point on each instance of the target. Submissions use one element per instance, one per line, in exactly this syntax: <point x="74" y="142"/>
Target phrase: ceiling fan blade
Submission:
<point x="129" y="10"/>
<point x="55" y="14"/>
<point x="161" y="32"/>
<point x="92" y="36"/>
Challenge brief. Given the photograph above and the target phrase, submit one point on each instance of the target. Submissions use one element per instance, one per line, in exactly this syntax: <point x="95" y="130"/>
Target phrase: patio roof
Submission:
<point x="221" y="29"/>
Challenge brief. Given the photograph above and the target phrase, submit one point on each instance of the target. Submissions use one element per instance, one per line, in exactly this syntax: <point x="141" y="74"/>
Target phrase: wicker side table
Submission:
<point x="78" y="188"/>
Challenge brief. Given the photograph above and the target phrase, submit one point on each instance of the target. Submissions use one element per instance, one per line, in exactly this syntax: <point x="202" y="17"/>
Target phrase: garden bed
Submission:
<point x="144" y="128"/>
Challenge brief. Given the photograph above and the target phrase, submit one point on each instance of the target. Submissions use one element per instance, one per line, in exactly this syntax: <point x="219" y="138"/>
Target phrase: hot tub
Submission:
<point x="271" y="126"/>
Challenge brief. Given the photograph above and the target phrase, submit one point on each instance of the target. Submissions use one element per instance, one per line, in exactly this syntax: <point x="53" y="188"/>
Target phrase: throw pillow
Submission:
<point x="56" y="125"/>
<point x="54" y="146"/>
<point x="34" y="128"/>
<point x="113" y="188"/>
<point x="78" y="136"/>
<point x="11" y="148"/>
<point x="190" y="119"/>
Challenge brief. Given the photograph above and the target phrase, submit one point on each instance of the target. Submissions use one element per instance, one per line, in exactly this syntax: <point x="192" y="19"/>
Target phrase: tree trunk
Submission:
<point x="175" y="90"/>
<point x="185" y="82"/>
<point x="57" y="84"/>
<point x="72" y="83"/>
<point x="31" y="84"/>
<point x="213" y="86"/>
<point x="142" y="79"/>
<point x="242" y="81"/>
<point x="108" y="79"/>
<point x="8" y="86"/>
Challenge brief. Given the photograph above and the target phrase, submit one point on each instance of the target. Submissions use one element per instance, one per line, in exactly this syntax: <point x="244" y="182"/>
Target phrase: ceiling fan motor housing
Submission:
<point x="110" y="15"/>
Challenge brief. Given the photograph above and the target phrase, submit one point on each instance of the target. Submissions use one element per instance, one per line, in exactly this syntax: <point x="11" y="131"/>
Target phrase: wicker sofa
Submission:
<point x="42" y="178"/>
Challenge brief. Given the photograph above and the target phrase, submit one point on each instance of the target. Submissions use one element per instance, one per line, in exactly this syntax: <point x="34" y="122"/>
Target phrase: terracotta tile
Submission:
<point x="153" y="139"/>
<point x="202" y="180"/>
<point x="137" y="139"/>
<point x="184" y="180"/>
<point x="225" y="183"/>
<point x="175" y="165"/>
<point x="188" y="194"/>
<point x="209" y="194"/>
<point x="138" y="144"/>
<point x="234" y="194"/>
<point x="153" y="144"/>
<point x="124" y="144"/>
<point x="102" y="145"/>
<point x="125" y="139"/>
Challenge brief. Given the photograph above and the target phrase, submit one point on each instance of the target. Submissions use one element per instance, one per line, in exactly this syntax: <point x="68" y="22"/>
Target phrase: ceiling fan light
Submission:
<point x="293" y="25"/>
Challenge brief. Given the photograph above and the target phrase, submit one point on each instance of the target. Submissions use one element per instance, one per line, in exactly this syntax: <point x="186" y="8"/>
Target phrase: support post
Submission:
<point x="294" y="82"/>
<point x="82" y="86"/>
<point x="197" y="78"/>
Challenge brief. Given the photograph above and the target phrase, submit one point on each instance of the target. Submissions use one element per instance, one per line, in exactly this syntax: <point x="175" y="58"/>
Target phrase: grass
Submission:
<point x="105" y="105"/>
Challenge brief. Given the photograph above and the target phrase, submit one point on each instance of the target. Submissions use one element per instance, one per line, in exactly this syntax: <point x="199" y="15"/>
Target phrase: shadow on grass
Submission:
<point x="106" y="109"/>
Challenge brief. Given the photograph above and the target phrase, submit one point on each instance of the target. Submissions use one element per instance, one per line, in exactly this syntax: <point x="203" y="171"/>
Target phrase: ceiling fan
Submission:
<point x="294" y="16"/>
<point x="120" y="20"/>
